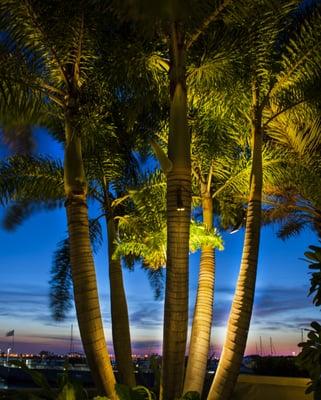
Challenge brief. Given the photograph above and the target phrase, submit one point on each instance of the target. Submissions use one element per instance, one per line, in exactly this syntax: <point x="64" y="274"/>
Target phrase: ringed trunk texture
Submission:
<point x="203" y="313"/>
<point x="83" y="269"/>
<point x="178" y="222"/>
<point x="119" y="314"/>
<point x="241" y="311"/>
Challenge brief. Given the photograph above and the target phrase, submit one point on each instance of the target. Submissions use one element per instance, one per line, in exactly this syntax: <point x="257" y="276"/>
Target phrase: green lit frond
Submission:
<point x="200" y="237"/>
<point x="57" y="35"/>
<point x="301" y="57"/>
<point x="148" y="246"/>
<point x="300" y="135"/>
<point x="157" y="62"/>
<point x="27" y="28"/>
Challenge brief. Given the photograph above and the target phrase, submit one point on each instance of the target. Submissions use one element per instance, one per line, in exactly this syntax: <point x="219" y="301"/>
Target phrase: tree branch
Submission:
<point x="209" y="179"/>
<point x="211" y="18"/>
<point x="278" y="84"/>
<point x="79" y="52"/>
<point x="51" y="49"/>
<point x="282" y="111"/>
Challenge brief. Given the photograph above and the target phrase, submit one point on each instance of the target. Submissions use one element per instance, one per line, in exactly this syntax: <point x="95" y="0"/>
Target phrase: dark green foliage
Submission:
<point x="310" y="359"/>
<point x="191" y="396"/>
<point x="155" y="363"/>
<point x="278" y="366"/>
<point x="142" y="393"/>
<point x="314" y="259"/>
<point x="60" y="294"/>
<point x="137" y="393"/>
<point x="66" y="389"/>
<point x="156" y="279"/>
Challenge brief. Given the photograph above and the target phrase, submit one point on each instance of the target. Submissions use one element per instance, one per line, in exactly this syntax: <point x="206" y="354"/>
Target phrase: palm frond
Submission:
<point x="19" y="211"/>
<point x="156" y="279"/>
<point x="58" y="35"/>
<point x="60" y="284"/>
<point x="95" y="234"/>
<point x="301" y="58"/>
<point x="60" y="293"/>
<point x="26" y="27"/>
<point x="29" y="178"/>
<point x="200" y="237"/>
<point x="291" y="228"/>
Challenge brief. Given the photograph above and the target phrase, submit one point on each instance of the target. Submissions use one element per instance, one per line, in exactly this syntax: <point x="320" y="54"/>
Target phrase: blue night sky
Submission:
<point x="281" y="303"/>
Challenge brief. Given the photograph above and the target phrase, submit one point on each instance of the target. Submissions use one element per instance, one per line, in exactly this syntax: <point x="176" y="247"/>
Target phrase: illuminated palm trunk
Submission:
<point x="178" y="222"/>
<point x="82" y="265"/>
<point x="119" y="314"/>
<point x="203" y="313"/>
<point x="240" y="316"/>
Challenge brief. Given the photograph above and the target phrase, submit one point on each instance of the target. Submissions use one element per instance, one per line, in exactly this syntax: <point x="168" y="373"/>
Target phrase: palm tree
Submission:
<point x="279" y="74"/>
<point x="178" y="196"/>
<point x="107" y="178"/>
<point x="208" y="171"/>
<point x="33" y="182"/>
<point x="183" y="25"/>
<point x="56" y="60"/>
<point x="36" y="182"/>
<point x="216" y="149"/>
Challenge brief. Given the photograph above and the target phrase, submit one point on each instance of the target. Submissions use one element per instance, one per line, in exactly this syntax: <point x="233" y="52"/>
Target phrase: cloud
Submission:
<point x="279" y="308"/>
<point x="147" y="315"/>
<point x="22" y="303"/>
<point x="26" y="308"/>
<point x="276" y="309"/>
<point x="277" y="300"/>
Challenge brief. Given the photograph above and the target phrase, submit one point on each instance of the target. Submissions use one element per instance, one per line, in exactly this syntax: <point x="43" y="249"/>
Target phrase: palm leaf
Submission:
<point x="60" y="284"/>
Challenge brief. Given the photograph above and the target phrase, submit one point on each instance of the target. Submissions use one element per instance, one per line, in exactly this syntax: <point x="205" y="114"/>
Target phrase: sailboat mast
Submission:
<point x="71" y="340"/>
<point x="261" y="347"/>
<point x="271" y="346"/>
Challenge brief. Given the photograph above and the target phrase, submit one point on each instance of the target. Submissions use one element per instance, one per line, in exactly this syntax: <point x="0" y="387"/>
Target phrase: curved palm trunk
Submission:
<point x="178" y="222"/>
<point x="241" y="311"/>
<point x="203" y="313"/>
<point x="83" y="269"/>
<point x="119" y="314"/>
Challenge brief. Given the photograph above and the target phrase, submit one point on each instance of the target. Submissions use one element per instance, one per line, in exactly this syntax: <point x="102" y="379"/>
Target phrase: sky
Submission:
<point x="281" y="306"/>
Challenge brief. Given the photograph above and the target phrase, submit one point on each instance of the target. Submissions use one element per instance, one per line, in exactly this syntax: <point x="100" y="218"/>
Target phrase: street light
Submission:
<point x="179" y="200"/>
<point x="8" y="353"/>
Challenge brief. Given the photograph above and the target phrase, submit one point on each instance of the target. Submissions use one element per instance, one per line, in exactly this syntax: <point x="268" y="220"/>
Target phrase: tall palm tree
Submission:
<point x="61" y="57"/>
<point x="279" y="74"/>
<point x="221" y="169"/>
<point x="208" y="169"/>
<point x="107" y="178"/>
<point x="214" y="151"/>
<point x="31" y="182"/>
<point x="182" y="24"/>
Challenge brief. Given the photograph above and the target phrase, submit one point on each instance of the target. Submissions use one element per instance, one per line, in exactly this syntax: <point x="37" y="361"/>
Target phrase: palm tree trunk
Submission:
<point x="178" y="222"/>
<point x="241" y="311"/>
<point x="83" y="269"/>
<point x="119" y="314"/>
<point x="203" y="313"/>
